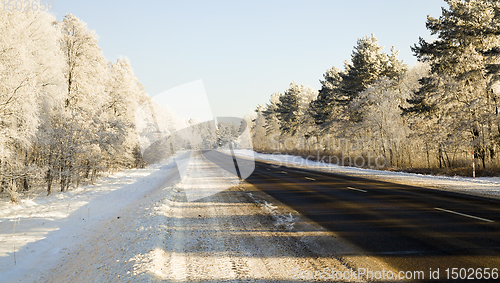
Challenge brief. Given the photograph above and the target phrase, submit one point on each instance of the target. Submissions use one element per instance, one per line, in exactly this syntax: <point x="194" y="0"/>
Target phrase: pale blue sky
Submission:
<point x="245" y="50"/>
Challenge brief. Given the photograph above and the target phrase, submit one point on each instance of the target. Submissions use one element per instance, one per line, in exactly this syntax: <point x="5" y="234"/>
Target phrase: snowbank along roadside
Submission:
<point x="35" y="235"/>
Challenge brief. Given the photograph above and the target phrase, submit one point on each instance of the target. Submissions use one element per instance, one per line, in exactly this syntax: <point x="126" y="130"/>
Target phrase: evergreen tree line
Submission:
<point x="66" y="113"/>
<point x="379" y="112"/>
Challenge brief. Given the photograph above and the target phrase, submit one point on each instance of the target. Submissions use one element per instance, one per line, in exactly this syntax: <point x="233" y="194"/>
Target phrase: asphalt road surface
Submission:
<point x="409" y="228"/>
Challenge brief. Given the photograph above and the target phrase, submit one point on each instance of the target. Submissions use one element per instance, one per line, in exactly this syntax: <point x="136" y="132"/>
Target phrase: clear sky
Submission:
<point x="245" y="50"/>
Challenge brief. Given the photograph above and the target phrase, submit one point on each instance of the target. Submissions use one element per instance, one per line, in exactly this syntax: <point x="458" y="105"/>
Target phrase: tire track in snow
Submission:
<point x="237" y="236"/>
<point x="177" y="261"/>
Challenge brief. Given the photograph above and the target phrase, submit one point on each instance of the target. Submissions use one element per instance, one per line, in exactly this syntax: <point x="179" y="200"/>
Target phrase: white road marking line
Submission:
<point x="283" y="172"/>
<point x="310" y="179"/>
<point x="268" y="169"/>
<point x="359" y="190"/>
<point x="462" y="214"/>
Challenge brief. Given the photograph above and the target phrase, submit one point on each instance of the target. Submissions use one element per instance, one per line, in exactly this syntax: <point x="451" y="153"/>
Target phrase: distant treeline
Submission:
<point x="378" y="112"/>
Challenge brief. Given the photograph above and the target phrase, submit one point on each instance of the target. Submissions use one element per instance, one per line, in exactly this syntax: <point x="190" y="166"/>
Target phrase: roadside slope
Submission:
<point x="37" y="237"/>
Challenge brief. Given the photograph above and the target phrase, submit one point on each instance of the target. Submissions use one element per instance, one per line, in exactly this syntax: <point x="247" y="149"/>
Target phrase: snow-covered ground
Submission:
<point x="484" y="186"/>
<point x="40" y="232"/>
<point x="139" y="226"/>
<point x="237" y="235"/>
<point x="148" y="224"/>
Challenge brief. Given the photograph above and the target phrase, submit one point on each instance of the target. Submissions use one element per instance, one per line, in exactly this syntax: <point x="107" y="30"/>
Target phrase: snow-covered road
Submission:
<point x="148" y="231"/>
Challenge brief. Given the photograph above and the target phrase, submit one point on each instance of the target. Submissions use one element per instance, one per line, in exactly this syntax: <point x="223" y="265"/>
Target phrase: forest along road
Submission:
<point x="409" y="228"/>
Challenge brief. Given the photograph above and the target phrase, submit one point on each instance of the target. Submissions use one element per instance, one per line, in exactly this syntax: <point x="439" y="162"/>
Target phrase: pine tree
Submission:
<point x="368" y="63"/>
<point x="339" y="88"/>
<point x="270" y="114"/>
<point x="458" y="92"/>
<point x="288" y="110"/>
<point x="395" y="69"/>
<point x="323" y="107"/>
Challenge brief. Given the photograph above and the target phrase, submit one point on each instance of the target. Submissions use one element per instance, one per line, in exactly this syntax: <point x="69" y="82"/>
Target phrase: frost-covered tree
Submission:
<point x="270" y="114"/>
<point x="66" y="114"/>
<point x="337" y="110"/>
<point x="126" y="95"/>
<point x="326" y="106"/>
<point x="307" y="94"/>
<point x="368" y="63"/>
<point x="382" y="121"/>
<point x="86" y="75"/>
<point x="259" y="137"/>
<point x="86" y="71"/>
<point x="458" y="95"/>
<point x="30" y="76"/>
<point x="93" y="129"/>
<point x="288" y="110"/>
<point x="339" y="88"/>
<point x="286" y="115"/>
